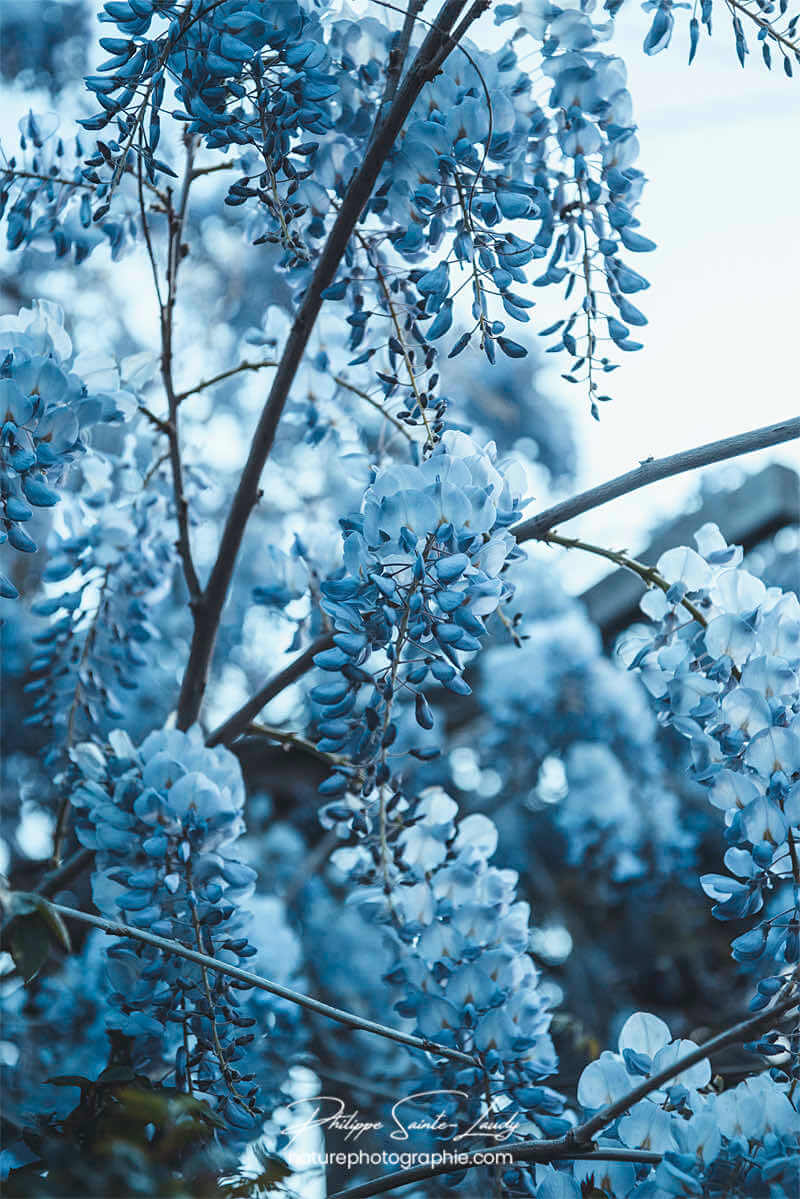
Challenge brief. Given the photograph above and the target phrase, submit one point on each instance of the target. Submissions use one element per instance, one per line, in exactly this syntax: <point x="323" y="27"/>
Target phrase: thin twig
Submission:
<point x="211" y="1011"/>
<point x="787" y="46"/>
<point x="398" y="332"/>
<point x="376" y="404"/>
<point x="291" y="740"/>
<point x="176" y="220"/>
<point x="58" y="879"/>
<point x="157" y="422"/>
<point x="648" y="574"/>
<point x="737" y="1034"/>
<point x="234" y="370"/>
<point x="59" y="179"/>
<point x="651" y="471"/>
<point x="148" y="241"/>
<point x="794" y="858"/>
<point x="198" y="172"/>
<point x="78" y="698"/>
<point x="116" y="929"/>
<point x="271" y="362"/>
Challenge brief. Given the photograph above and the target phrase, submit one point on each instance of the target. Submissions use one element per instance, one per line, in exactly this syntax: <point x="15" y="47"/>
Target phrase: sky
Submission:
<point x="721" y="149"/>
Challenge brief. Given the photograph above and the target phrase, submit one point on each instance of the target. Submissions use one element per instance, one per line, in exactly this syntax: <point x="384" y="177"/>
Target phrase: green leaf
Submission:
<point x="32" y="925"/>
<point x="29" y="942"/>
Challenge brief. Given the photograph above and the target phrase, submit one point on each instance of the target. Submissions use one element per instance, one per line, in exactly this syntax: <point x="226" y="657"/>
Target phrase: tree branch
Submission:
<point x="209" y="611"/>
<point x="788" y="47"/>
<point x="115" y="929"/>
<point x="397" y="57"/>
<point x="198" y="172"/>
<point x="648" y="574"/>
<point x="236" y="724"/>
<point x="340" y="381"/>
<point x="519" y="1151"/>
<point x="291" y="740"/>
<point x="55" y="880"/>
<point x="537" y="527"/>
<point x="577" y="1144"/>
<point x="12" y="172"/>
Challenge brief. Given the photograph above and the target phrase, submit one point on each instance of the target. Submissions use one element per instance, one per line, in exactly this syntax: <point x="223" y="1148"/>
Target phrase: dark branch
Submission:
<point x="220" y="378"/>
<point x="537" y="527"/>
<point x="397" y="57"/>
<point x="208" y="613"/>
<point x="56" y="880"/>
<point x="238" y="722"/>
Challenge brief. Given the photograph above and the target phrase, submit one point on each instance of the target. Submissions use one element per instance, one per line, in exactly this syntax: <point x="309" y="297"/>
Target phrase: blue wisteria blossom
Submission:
<point x="423" y="568"/>
<point x="460" y="938"/>
<point x="46" y="196"/>
<point x="774" y="31"/>
<point x="724" y="674"/>
<point x="48" y="408"/>
<point x="617" y="805"/>
<point x="323" y="790"/>
<point x="703" y="1135"/>
<point x="160" y="820"/>
<point x="104" y="578"/>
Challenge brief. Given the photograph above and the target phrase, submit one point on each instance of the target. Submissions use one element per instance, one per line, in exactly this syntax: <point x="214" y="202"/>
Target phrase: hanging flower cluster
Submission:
<point x="741" y="1143"/>
<point x="776" y="31"/>
<point x="99" y="629"/>
<point x="423" y="567"/>
<point x="593" y="192"/>
<point x="461" y="940"/>
<point x="47" y="197"/>
<point x="478" y="156"/>
<point x="242" y="76"/>
<point x="724" y="674"/>
<point x="46" y="408"/>
<point x="160" y="820"/>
